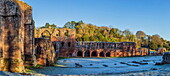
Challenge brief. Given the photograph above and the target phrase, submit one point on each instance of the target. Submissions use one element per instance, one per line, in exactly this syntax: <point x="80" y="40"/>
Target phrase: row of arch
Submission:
<point x="105" y="45"/>
<point x="93" y="54"/>
<point x="47" y="33"/>
<point x="63" y="44"/>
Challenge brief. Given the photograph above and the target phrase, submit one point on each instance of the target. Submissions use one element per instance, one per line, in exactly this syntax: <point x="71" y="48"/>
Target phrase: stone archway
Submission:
<point x="79" y="53"/>
<point x="94" y="54"/>
<point x="62" y="44"/>
<point x="87" y="53"/>
<point x="108" y="54"/>
<point x="45" y="33"/>
<point x="70" y="54"/>
<point x="102" y="54"/>
<point x="56" y="32"/>
<point x="66" y="33"/>
<point x="38" y="50"/>
<point x="69" y="44"/>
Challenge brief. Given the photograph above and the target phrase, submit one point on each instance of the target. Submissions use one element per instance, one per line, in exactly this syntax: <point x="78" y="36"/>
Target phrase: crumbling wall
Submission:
<point x="142" y="52"/>
<point x="44" y="51"/>
<point x="12" y="36"/>
<point x="65" y="37"/>
<point x="67" y="42"/>
<point x="160" y="51"/>
<point x="104" y="49"/>
<point x="17" y="38"/>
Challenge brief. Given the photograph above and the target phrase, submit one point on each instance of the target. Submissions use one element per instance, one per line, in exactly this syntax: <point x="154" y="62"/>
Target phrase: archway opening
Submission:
<point x="66" y="33"/>
<point x="108" y="54"/>
<point x="46" y="34"/>
<point x="70" y="54"/>
<point x="94" y="53"/>
<point x="80" y="53"/>
<point x="38" y="50"/>
<point x="62" y="44"/>
<point x="103" y="45"/>
<point x="58" y="33"/>
<point x="101" y="54"/>
<point x="87" y="54"/>
<point x="69" y="44"/>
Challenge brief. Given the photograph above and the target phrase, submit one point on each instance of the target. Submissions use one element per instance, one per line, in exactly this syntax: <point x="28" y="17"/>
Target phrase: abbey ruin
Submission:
<point x="17" y="38"/>
<point x="22" y="45"/>
<point x="68" y="46"/>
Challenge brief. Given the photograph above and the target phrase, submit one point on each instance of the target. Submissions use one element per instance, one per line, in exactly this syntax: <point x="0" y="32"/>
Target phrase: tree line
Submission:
<point x="90" y="32"/>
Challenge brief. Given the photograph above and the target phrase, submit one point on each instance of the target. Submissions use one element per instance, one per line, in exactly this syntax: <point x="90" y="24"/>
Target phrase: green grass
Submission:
<point x="63" y="58"/>
<point x="29" y="71"/>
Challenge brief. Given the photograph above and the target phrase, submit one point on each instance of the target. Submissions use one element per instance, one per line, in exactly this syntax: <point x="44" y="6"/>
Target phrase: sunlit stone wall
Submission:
<point x="16" y="31"/>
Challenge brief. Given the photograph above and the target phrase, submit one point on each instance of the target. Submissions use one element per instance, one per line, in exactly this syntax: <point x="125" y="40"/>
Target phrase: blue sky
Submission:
<point x="150" y="16"/>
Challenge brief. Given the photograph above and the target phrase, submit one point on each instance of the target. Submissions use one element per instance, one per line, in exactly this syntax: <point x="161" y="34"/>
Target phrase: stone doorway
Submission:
<point x="101" y="54"/>
<point x="108" y="54"/>
<point x="94" y="53"/>
<point x="79" y="53"/>
<point x="87" y="54"/>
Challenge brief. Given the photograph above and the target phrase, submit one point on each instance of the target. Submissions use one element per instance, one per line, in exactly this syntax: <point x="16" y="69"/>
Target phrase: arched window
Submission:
<point x="62" y="44"/>
<point x="1" y="53"/>
<point x="66" y="33"/>
<point x="103" y="45"/>
<point x="69" y="44"/>
<point x="70" y="54"/>
<point x="94" y="53"/>
<point x="108" y="54"/>
<point x="46" y="34"/>
<point x="38" y="50"/>
<point x="87" y="54"/>
<point x="79" y="53"/>
<point x="58" y="34"/>
<point x="101" y="54"/>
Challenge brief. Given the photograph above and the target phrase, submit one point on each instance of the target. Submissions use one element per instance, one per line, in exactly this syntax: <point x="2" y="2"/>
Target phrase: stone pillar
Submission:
<point x="83" y="53"/>
<point x="11" y="25"/>
<point x="90" y="53"/>
<point x="30" y="59"/>
<point x="16" y="31"/>
<point x="104" y="54"/>
<point x="98" y="54"/>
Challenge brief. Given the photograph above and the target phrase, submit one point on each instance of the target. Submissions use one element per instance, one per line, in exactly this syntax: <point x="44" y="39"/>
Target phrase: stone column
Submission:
<point x="83" y="53"/>
<point x="12" y="29"/>
<point x="30" y="59"/>
<point x="104" y="54"/>
<point x="90" y="53"/>
<point x="98" y="54"/>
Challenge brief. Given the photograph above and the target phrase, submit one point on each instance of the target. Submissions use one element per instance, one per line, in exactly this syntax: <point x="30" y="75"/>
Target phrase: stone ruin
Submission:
<point x="68" y="46"/>
<point x="142" y="52"/>
<point x="17" y="44"/>
<point x="107" y="49"/>
<point x="63" y="39"/>
<point x="22" y="45"/>
<point x="160" y="51"/>
<point x="44" y="51"/>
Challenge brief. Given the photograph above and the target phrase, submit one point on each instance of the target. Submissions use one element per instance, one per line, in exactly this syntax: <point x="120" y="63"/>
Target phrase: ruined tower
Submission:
<point x="16" y="35"/>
